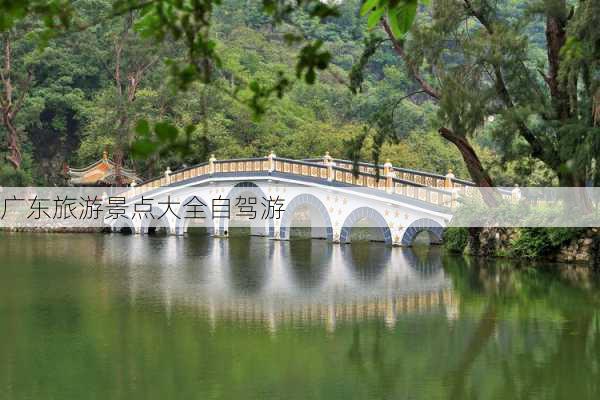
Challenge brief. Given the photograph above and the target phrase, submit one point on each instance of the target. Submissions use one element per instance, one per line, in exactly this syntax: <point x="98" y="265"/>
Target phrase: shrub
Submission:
<point x="455" y="239"/>
<point x="9" y="177"/>
<point x="540" y="242"/>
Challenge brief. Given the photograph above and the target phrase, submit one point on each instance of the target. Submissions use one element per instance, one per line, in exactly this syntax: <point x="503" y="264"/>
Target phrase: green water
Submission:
<point x="126" y="317"/>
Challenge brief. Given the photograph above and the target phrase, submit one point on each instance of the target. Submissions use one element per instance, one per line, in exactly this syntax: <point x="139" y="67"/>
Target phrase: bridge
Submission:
<point x="326" y="197"/>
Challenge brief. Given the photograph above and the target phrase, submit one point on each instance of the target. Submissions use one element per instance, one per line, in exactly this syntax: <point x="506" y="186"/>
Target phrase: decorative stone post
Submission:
<point x="271" y="158"/>
<point x="448" y="182"/>
<point x="397" y="234"/>
<point x="221" y="231"/>
<point x="217" y="228"/>
<point x="337" y="233"/>
<point x="388" y="171"/>
<point x="328" y="161"/>
<point x="211" y="164"/>
<point x="168" y="175"/>
<point x="515" y="194"/>
<point x="454" y="199"/>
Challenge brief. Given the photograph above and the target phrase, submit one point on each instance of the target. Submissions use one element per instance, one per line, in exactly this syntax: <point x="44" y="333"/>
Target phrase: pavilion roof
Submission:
<point x="103" y="171"/>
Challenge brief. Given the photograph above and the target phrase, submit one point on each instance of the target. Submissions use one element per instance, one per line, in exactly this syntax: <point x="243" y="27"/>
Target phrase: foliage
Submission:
<point x="10" y="177"/>
<point x="538" y="242"/>
<point x="521" y="77"/>
<point x="535" y="208"/>
<point x="399" y="14"/>
<point x="478" y="60"/>
<point x="75" y="110"/>
<point x="456" y="239"/>
<point x="190" y="26"/>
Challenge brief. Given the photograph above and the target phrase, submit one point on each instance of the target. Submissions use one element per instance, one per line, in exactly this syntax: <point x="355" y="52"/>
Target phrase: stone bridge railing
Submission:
<point x="418" y="177"/>
<point x="431" y="188"/>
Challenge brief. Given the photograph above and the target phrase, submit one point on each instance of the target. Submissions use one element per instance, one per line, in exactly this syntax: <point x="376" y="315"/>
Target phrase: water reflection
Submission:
<point x="308" y="261"/>
<point x="245" y="260"/>
<point x="367" y="260"/>
<point x="138" y="317"/>
<point x="263" y="280"/>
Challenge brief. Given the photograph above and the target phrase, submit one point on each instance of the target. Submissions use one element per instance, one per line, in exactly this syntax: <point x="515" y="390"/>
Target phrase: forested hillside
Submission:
<point x="83" y="91"/>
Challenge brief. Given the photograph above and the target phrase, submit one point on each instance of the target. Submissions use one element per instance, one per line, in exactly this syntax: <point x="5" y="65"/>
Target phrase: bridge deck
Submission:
<point x="429" y="188"/>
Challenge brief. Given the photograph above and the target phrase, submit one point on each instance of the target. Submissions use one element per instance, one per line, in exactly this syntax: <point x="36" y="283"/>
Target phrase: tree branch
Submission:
<point x="479" y="16"/>
<point x="414" y="70"/>
<point x="401" y="99"/>
<point x="24" y="89"/>
<point x="6" y="75"/>
<point x="549" y="156"/>
<point x="119" y="45"/>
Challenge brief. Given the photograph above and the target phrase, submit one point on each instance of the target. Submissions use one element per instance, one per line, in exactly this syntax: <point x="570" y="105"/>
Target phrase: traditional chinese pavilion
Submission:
<point x="101" y="173"/>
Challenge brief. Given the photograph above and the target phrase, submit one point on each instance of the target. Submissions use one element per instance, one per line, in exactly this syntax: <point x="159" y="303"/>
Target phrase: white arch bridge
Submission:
<point x="324" y="198"/>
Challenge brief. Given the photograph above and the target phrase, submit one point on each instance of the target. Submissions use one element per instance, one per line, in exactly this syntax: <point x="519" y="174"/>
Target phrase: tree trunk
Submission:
<point x="478" y="174"/>
<point x="14" y="157"/>
<point x="118" y="159"/>
<point x="579" y="195"/>
<point x="556" y="37"/>
<point x="8" y="107"/>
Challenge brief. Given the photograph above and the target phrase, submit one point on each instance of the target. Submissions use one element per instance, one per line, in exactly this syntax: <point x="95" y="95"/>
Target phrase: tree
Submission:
<point x="132" y="60"/>
<point x="96" y="75"/>
<point x="12" y="98"/>
<point x="478" y="59"/>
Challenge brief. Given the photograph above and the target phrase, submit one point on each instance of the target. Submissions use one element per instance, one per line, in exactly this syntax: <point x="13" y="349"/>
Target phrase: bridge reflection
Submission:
<point x="272" y="282"/>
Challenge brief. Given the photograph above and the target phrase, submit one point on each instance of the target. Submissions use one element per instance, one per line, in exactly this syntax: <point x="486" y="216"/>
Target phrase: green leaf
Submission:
<point x="367" y="6"/>
<point x="408" y="16"/>
<point x="375" y="17"/>
<point x="190" y="129"/>
<point x="254" y="86"/>
<point x="165" y="131"/>
<point x="402" y="17"/>
<point x="322" y="10"/>
<point x="142" y="127"/>
<point x="394" y="25"/>
<point x="310" y="76"/>
<point x="143" y="148"/>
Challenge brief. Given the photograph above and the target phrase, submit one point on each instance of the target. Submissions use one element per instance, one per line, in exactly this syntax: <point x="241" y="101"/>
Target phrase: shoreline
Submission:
<point x="484" y="243"/>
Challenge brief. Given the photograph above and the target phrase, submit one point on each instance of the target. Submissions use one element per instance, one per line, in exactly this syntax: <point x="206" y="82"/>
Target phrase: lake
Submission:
<point x="86" y="316"/>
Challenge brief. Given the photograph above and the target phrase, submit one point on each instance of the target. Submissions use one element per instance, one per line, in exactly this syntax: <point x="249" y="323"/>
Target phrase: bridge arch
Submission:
<point x="154" y="220"/>
<point x="316" y="205"/>
<point x="257" y="192"/>
<point x="122" y="225"/>
<point x="366" y="261"/>
<point x="181" y="224"/>
<point x="365" y="213"/>
<point x="430" y="226"/>
<point x="426" y="263"/>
